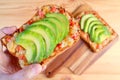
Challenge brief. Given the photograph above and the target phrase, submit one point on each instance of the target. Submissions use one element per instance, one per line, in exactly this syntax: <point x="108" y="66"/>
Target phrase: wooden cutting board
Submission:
<point x="83" y="57"/>
<point x="79" y="57"/>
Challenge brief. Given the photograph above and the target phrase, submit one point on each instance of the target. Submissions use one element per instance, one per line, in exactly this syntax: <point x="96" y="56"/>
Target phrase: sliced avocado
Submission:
<point x="92" y="24"/>
<point x="48" y="36"/>
<point x="61" y="25"/>
<point x="87" y="23"/>
<point x="29" y="47"/>
<point x="95" y="36"/>
<point x="39" y="42"/>
<point x="103" y="36"/>
<point x="60" y="30"/>
<point x="48" y="24"/>
<point x="107" y="32"/>
<point x="63" y="19"/>
<point x="83" y="19"/>
<point x="100" y="34"/>
<point x="93" y="29"/>
<point x="56" y="27"/>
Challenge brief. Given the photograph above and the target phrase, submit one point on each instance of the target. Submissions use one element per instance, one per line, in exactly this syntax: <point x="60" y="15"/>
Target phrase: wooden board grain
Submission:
<point x="59" y="62"/>
<point x="84" y="57"/>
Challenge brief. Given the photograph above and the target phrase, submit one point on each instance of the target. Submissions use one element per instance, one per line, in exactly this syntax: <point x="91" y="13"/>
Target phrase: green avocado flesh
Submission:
<point x="56" y="25"/>
<point x="48" y="36"/>
<point x="40" y="38"/>
<point x="96" y="34"/>
<point x="97" y="31"/>
<point x="87" y="23"/>
<point x="48" y="24"/>
<point x="60" y="30"/>
<point x="63" y="19"/>
<point x="96" y="22"/>
<point x="30" y="48"/>
<point x="83" y="19"/>
<point x="38" y="41"/>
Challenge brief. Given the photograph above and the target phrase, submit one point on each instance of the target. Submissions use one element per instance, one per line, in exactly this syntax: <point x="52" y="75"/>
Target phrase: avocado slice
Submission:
<point x="95" y="36"/>
<point x="63" y="19"/>
<point x="87" y="23"/>
<point x="48" y="36"/>
<point x="107" y="32"/>
<point x="29" y="47"/>
<point x="83" y="19"/>
<point x="100" y="34"/>
<point x="61" y="25"/>
<point x="39" y="42"/>
<point x="56" y="26"/>
<point x="93" y="29"/>
<point x="48" y="24"/>
<point x="103" y="36"/>
<point x="92" y="24"/>
<point x="60" y="30"/>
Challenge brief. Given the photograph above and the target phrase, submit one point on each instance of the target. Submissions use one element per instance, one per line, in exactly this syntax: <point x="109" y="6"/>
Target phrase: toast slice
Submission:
<point x="92" y="26"/>
<point x="17" y="50"/>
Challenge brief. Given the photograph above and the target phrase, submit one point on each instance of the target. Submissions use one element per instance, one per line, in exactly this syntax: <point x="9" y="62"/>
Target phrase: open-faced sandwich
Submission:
<point x="47" y="34"/>
<point x="94" y="30"/>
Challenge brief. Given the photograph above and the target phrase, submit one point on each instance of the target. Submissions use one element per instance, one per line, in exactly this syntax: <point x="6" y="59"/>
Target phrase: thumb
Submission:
<point x="9" y="30"/>
<point x="27" y="72"/>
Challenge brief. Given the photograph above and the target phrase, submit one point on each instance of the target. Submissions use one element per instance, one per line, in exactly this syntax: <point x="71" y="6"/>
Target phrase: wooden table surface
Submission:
<point x="16" y="12"/>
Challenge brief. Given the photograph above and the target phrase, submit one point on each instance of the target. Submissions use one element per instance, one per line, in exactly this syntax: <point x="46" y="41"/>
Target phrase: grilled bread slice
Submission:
<point x="47" y="34"/>
<point x="94" y="30"/>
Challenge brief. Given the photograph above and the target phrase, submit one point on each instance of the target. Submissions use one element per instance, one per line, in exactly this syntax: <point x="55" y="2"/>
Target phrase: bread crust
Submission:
<point x="85" y="36"/>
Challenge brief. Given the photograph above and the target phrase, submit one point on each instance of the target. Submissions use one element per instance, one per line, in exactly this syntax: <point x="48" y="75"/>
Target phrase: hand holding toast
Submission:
<point x="9" y="65"/>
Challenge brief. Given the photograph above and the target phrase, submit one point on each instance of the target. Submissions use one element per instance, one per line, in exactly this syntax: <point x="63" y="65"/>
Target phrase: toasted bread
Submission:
<point x="73" y="36"/>
<point x="95" y="47"/>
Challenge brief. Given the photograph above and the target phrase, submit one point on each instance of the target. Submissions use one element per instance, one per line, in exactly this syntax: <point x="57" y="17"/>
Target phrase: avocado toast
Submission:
<point x="94" y="30"/>
<point x="47" y="34"/>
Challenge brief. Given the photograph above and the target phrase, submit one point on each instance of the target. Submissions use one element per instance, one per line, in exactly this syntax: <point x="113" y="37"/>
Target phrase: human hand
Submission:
<point x="9" y="67"/>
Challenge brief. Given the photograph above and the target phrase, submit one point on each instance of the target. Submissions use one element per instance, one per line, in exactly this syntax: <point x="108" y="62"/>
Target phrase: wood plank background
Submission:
<point x="16" y="12"/>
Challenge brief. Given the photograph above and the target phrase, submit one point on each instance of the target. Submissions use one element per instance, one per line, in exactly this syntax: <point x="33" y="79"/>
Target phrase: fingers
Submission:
<point x="28" y="72"/>
<point x="4" y="76"/>
<point x="7" y="30"/>
<point x="1" y="34"/>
